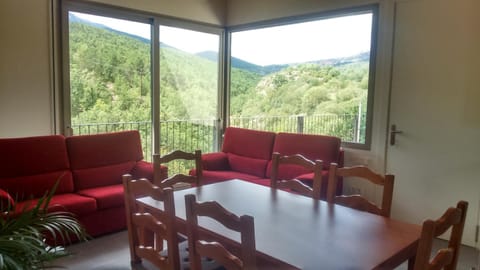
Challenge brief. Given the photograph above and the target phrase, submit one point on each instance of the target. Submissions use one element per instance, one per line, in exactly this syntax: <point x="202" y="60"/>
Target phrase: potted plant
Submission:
<point x="24" y="234"/>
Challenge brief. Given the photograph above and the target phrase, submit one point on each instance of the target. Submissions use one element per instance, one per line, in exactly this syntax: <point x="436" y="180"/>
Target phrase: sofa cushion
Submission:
<point x="32" y="155"/>
<point x="325" y="148"/>
<point x="90" y="151"/>
<point x="144" y="169"/>
<point x="247" y="165"/>
<point x="248" y="143"/>
<point x="76" y="204"/>
<point x="217" y="161"/>
<point x="35" y="186"/>
<point x="101" y="176"/>
<point x="218" y="176"/>
<point x="107" y="196"/>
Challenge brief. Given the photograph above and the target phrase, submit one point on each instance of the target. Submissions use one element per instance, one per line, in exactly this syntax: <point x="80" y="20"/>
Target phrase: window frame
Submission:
<point x="154" y="20"/>
<point x="371" y="8"/>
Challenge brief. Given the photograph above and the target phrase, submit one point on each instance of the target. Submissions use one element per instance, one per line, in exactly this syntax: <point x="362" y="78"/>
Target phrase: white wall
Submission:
<point x="436" y="102"/>
<point x="25" y="85"/>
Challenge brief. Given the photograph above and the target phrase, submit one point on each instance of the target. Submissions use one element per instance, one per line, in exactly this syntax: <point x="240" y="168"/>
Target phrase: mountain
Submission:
<point x="265" y="70"/>
<point x="236" y="62"/>
<point x="361" y="57"/>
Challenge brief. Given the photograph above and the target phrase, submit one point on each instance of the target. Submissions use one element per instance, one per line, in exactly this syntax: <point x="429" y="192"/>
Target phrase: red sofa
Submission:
<point x="88" y="168"/>
<point x="246" y="154"/>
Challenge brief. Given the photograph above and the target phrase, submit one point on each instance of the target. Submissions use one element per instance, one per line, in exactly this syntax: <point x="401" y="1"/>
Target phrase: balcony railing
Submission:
<point x="190" y="135"/>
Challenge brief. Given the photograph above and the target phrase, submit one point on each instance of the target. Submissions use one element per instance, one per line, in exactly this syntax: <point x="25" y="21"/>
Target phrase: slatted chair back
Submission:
<point x="295" y="184"/>
<point x="357" y="201"/>
<point x="147" y="233"/>
<point x="165" y="181"/>
<point x="199" y="248"/>
<point x="445" y="258"/>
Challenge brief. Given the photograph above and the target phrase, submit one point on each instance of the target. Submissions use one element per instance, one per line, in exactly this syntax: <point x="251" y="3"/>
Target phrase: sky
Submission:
<point x="295" y="43"/>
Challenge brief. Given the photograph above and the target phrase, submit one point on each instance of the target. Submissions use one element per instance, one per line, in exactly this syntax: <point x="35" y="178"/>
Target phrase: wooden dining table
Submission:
<point x="298" y="232"/>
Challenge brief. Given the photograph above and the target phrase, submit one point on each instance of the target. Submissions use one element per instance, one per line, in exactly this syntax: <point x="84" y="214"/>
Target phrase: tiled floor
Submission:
<point x="111" y="252"/>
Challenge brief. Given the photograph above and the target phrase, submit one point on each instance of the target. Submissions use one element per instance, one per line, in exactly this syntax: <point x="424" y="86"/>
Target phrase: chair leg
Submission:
<point x="411" y="263"/>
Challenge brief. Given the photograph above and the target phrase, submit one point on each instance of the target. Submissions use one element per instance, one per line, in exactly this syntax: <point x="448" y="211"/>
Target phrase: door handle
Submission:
<point x="393" y="134"/>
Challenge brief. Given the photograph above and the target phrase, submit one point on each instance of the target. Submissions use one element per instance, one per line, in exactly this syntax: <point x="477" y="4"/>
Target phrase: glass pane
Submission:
<point x="188" y="90"/>
<point x="110" y="76"/>
<point x="309" y="77"/>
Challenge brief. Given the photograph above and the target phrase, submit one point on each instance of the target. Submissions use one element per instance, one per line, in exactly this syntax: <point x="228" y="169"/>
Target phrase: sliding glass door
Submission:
<point x="109" y="76"/>
<point x="189" y="75"/>
<point x="126" y="70"/>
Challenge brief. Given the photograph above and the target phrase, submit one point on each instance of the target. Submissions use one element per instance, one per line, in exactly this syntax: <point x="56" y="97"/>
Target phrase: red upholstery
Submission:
<point x="6" y="201"/>
<point x="32" y="155"/>
<point x="247" y="165"/>
<point x="248" y="143"/>
<point x="35" y="186"/>
<point x="144" y="169"/>
<point x="218" y="176"/>
<point x="76" y="204"/>
<point x="217" y="161"/>
<point x="325" y="148"/>
<point x="106" y="196"/>
<point x="101" y="176"/>
<point x="89" y="168"/>
<point x="90" y="151"/>
<point x="246" y="154"/>
<point x="102" y="159"/>
<point x="30" y="166"/>
<point x="104" y="221"/>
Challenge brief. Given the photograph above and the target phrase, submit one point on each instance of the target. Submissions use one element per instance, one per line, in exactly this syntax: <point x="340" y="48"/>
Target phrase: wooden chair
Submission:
<point x="357" y="201"/>
<point x="199" y="248"/>
<point x="177" y="155"/>
<point x="295" y="184"/>
<point x="146" y="232"/>
<point x="445" y="258"/>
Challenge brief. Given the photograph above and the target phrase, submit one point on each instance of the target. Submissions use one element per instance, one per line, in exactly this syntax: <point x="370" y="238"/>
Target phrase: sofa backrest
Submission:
<point x="249" y="151"/>
<point x="30" y="166"/>
<point x="101" y="159"/>
<point x="325" y="148"/>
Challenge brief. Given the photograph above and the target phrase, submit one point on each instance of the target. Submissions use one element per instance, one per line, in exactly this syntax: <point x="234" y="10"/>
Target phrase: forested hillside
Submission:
<point x="110" y="82"/>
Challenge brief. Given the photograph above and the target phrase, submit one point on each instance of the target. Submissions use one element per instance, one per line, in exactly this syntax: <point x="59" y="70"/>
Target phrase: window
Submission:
<point x="109" y="76"/>
<point x="188" y="89"/>
<point x="164" y="77"/>
<point x="117" y="78"/>
<point x="313" y="75"/>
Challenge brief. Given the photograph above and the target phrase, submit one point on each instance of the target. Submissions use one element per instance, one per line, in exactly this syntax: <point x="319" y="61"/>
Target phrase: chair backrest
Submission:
<point x="295" y="184"/>
<point x="245" y="259"/>
<point x="146" y="232"/>
<point x="446" y="258"/>
<point x="357" y="201"/>
<point x="165" y="181"/>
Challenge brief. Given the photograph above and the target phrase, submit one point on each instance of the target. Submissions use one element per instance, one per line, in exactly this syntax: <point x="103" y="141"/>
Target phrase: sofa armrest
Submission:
<point x="217" y="161"/>
<point x="6" y="201"/>
<point x="144" y="169"/>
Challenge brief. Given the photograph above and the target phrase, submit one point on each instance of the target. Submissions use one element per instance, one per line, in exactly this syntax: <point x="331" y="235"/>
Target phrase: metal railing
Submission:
<point x="190" y="135"/>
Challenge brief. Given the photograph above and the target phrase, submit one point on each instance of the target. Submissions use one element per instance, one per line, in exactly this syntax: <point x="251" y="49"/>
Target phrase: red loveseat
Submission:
<point x="246" y="154"/>
<point x="89" y="170"/>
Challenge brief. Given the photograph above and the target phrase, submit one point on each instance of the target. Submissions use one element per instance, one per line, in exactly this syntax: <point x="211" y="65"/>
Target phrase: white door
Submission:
<point x="435" y="102"/>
